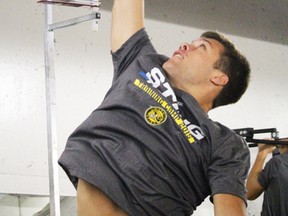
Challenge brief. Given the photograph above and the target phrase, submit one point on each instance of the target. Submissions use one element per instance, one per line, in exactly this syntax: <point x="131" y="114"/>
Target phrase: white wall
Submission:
<point x="83" y="74"/>
<point x="17" y="205"/>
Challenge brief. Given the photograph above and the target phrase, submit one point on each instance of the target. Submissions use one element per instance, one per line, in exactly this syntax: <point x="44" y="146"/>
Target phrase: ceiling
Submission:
<point x="258" y="19"/>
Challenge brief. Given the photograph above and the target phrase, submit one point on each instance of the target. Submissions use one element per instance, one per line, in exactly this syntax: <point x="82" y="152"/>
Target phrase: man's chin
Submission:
<point x="168" y="66"/>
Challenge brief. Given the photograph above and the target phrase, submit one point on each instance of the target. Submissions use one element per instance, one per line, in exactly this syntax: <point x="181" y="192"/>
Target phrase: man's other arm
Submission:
<point x="127" y="18"/>
<point x="229" y="205"/>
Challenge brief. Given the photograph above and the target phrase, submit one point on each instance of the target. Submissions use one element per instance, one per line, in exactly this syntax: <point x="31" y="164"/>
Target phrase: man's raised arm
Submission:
<point x="127" y="18"/>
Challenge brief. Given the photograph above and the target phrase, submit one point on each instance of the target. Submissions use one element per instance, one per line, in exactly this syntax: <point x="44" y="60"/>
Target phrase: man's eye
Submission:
<point x="203" y="46"/>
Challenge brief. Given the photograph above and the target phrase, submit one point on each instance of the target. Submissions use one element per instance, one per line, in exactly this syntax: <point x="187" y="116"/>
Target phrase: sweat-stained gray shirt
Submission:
<point x="150" y="147"/>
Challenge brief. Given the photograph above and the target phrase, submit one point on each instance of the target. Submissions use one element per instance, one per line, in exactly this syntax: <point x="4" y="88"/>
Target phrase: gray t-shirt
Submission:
<point x="150" y="147"/>
<point x="274" y="179"/>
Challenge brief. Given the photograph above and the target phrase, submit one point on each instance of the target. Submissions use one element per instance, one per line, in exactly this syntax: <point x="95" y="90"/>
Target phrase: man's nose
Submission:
<point x="184" y="47"/>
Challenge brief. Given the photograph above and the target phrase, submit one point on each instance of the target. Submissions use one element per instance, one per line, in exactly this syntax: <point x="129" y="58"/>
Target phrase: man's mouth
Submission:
<point x="177" y="54"/>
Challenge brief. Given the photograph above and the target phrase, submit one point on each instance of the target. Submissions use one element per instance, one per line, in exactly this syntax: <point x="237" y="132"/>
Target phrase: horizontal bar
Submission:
<point x="73" y="3"/>
<point x="255" y="142"/>
<point x="74" y="21"/>
<point x="268" y="130"/>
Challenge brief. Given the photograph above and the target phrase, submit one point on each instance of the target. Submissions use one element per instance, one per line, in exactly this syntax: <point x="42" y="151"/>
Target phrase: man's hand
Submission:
<point x="266" y="149"/>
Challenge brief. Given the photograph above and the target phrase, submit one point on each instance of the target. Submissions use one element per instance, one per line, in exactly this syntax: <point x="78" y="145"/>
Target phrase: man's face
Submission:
<point x="193" y="63"/>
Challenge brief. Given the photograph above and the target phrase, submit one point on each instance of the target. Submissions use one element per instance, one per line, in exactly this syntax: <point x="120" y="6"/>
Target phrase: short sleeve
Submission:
<point x="229" y="167"/>
<point x="266" y="176"/>
<point x="128" y="52"/>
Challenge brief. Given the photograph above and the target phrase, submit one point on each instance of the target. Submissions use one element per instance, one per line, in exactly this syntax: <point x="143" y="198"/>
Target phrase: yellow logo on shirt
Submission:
<point x="155" y="115"/>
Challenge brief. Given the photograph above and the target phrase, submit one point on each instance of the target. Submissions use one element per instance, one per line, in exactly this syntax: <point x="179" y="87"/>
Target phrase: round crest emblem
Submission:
<point x="155" y="115"/>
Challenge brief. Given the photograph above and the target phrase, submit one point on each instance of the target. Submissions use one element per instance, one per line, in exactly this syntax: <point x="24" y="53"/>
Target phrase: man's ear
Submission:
<point x="219" y="79"/>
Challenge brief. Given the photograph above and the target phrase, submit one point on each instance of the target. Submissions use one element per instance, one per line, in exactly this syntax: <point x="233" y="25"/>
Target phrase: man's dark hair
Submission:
<point x="235" y="66"/>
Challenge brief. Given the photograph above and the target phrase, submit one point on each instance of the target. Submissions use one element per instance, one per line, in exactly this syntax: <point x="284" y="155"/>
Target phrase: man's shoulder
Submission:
<point x="224" y="131"/>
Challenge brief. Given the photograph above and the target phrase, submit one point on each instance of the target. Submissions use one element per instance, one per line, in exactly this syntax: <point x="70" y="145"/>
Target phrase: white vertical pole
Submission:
<point x="51" y="114"/>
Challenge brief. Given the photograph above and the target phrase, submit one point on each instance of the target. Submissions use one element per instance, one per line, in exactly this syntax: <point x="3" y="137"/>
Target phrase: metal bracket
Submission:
<point x="248" y="133"/>
<point x="51" y="90"/>
<point x="74" y="21"/>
